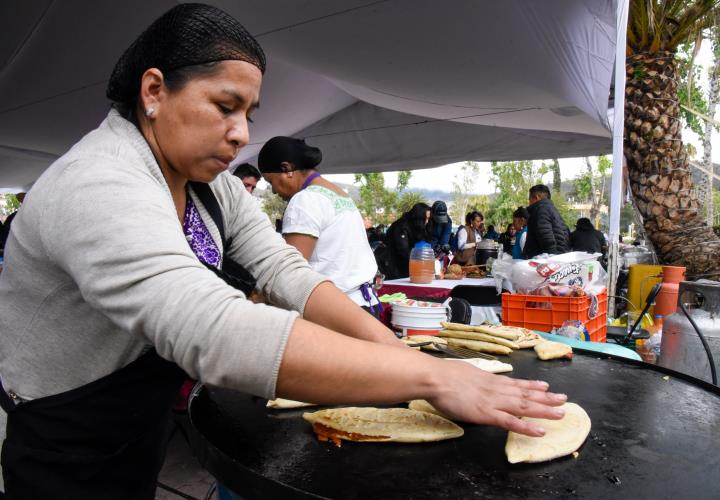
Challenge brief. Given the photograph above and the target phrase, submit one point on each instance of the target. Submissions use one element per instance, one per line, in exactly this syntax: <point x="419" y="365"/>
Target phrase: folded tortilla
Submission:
<point x="416" y="339"/>
<point x="548" y="349"/>
<point x="562" y="437"/>
<point x="381" y="425"/>
<point x="479" y="345"/>
<point x="461" y="334"/>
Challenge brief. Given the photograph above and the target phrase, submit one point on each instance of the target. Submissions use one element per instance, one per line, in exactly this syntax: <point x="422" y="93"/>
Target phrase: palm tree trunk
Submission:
<point x="713" y="94"/>
<point x="658" y="166"/>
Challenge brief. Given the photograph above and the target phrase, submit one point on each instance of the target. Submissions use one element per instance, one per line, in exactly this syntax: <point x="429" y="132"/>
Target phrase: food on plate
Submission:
<point x="460" y="334"/>
<point x="401" y="425"/>
<point x="547" y="350"/>
<point x="455" y="269"/>
<point x="489" y="365"/>
<point x="562" y="437"/>
<point x="450" y="276"/>
<point x="479" y="345"/>
<point x="286" y="404"/>
<point x="417" y="339"/>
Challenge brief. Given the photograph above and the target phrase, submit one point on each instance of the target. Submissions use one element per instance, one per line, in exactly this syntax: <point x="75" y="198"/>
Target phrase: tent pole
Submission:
<point x="616" y="192"/>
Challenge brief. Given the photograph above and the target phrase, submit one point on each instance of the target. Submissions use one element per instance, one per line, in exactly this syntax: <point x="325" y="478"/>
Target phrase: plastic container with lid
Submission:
<point x="422" y="263"/>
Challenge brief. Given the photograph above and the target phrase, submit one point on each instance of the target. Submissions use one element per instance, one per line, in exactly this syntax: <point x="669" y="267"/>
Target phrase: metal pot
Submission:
<point x="486" y="249"/>
<point x="681" y="348"/>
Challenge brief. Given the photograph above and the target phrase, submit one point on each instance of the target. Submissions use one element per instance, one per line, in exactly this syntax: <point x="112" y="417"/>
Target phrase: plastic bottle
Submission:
<point x="422" y="263"/>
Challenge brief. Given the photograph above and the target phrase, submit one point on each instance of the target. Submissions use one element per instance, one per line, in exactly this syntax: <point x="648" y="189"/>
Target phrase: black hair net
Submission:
<point x="287" y="149"/>
<point x="186" y="35"/>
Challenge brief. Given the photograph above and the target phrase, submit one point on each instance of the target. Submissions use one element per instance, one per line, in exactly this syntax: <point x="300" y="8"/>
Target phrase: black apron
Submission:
<point x="106" y="439"/>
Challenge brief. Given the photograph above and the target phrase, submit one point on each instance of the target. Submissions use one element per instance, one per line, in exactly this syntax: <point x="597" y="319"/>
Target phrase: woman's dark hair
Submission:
<point x="186" y="42"/>
<point x="509" y="227"/>
<point x="471" y="216"/>
<point x="416" y="219"/>
<point x="279" y="150"/>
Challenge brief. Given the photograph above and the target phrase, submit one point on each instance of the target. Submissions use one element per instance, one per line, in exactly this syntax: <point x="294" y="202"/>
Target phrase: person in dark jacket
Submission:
<point x="402" y="236"/>
<point x="5" y="228"/>
<point x="546" y="230"/>
<point x="586" y="238"/>
<point x="507" y="239"/>
<point x="440" y="228"/>
<point x="491" y="233"/>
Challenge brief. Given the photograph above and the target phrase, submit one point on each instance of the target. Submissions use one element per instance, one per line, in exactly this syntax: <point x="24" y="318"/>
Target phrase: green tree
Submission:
<point x="464" y="185"/>
<point x="273" y="205"/>
<point x="11" y="204"/>
<point x="513" y="180"/>
<point x="377" y="202"/>
<point x="408" y="199"/>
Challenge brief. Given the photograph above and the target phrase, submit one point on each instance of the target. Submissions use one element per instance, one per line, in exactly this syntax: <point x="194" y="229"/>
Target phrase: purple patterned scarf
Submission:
<point x="197" y="234"/>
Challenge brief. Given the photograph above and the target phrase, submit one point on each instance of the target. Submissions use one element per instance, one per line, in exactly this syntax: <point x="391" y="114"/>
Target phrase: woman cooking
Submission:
<point x="106" y="301"/>
<point x="321" y="220"/>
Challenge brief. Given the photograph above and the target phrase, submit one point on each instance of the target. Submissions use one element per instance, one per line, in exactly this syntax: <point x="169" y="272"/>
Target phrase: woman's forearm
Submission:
<point x="321" y="366"/>
<point x="331" y="308"/>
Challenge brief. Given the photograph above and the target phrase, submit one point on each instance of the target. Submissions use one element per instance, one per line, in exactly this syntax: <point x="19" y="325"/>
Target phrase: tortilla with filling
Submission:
<point x="562" y="437"/>
<point x="400" y="425"/>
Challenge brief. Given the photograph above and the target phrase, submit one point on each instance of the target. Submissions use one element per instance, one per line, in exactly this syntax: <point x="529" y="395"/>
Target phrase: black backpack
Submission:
<point x="460" y="311"/>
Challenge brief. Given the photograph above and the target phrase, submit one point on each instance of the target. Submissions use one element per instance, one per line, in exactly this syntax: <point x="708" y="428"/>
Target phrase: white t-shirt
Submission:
<point x="342" y="252"/>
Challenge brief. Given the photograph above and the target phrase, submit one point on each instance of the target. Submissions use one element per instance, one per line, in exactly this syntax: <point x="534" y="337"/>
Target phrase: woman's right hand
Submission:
<point x="467" y="393"/>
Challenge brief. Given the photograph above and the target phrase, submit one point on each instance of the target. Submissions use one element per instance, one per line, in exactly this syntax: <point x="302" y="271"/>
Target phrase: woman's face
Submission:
<point x="199" y="129"/>
<point x="477" y="223"/>
<point x="427" y="216"/>
<point x="283" y="184"/>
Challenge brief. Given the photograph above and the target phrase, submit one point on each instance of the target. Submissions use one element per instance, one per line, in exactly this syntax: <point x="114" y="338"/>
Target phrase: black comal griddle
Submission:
<point x="650" y="438"/>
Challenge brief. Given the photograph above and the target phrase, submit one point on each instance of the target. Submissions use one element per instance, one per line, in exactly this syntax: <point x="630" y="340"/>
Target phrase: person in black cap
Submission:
<point x="114" y="290"/>
<point x="249" y="175"/>
<point x="520" y="220"/>
<point x="440" y="228"/>
<point x="321" y="220"/>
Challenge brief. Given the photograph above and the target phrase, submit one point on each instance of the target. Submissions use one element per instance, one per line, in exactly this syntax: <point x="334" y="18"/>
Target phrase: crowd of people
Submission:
<point x="536" y="229"/>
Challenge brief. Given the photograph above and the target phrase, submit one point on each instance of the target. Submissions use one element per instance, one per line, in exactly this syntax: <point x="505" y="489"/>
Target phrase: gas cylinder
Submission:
<point x="681" y="348"/>
<point x="666" y="301"/>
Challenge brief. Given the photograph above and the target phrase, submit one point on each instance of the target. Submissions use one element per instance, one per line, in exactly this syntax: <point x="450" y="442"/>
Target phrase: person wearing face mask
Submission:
<point x="321" y="220"/>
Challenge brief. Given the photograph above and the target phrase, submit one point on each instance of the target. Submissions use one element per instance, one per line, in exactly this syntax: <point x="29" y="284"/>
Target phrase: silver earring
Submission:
<point x="149" y="112"/>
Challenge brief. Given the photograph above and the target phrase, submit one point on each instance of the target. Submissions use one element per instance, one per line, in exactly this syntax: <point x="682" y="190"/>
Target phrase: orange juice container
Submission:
<point x="422" y="263"/>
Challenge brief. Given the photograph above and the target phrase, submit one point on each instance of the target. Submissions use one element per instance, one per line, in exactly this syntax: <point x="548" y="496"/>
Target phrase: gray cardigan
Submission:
<point x="97" y="268"/>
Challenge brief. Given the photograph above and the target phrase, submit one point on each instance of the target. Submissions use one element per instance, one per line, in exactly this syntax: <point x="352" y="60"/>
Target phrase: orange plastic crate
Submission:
<point x="545" y="313"/>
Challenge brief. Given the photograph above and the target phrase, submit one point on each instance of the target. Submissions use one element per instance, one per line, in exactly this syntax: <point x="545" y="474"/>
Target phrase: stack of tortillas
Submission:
<point x="562" y="437"/>
<point x="493" y="339"/>
<point x="381" y="424"/>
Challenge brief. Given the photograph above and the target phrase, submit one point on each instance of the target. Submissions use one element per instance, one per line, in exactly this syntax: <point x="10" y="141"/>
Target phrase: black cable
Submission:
<point x="210" y="492"/>
<point x="176" y="492"/>
<point x="704" y="343"/>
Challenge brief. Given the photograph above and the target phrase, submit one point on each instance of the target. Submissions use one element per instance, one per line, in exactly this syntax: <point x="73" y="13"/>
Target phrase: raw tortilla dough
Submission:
<point x="286" y="404"/>
<point x="562" y="437"/>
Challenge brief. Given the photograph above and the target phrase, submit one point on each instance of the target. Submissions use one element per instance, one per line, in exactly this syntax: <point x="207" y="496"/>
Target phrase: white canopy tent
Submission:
<point x="378" y="85"/>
